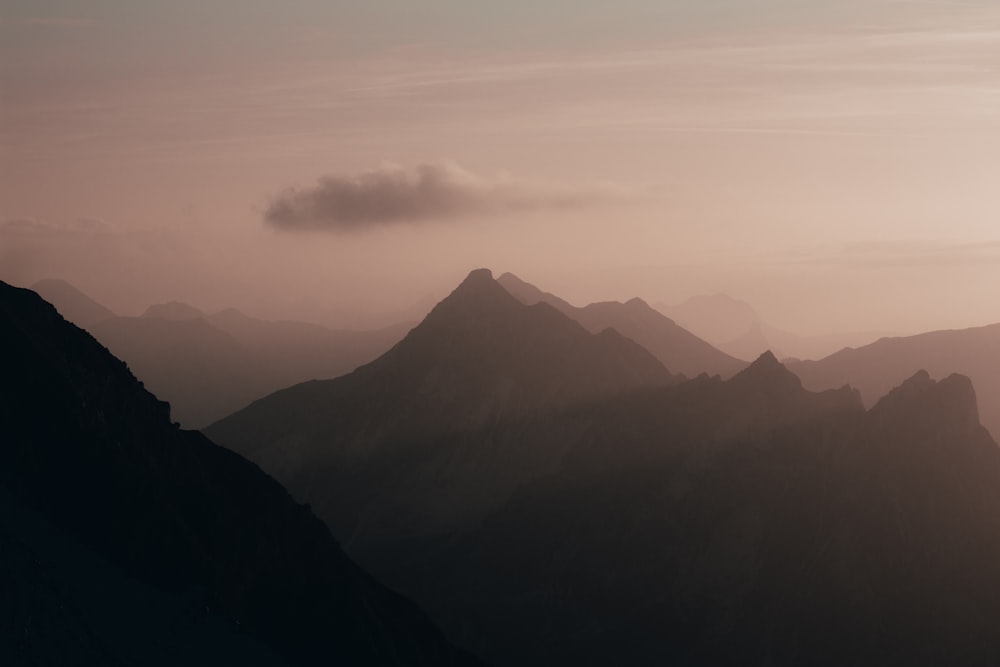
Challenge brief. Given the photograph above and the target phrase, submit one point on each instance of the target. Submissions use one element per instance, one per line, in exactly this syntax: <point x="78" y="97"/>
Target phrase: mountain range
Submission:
<point x="209" y="365"/>
<point x="875" y="368"/>
<point x="676" y="348"/>
<point x="555" y="496"/>
<point x="126" y="540"/>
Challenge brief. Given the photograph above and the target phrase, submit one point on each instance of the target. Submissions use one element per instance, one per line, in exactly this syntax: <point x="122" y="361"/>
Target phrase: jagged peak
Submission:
<point x="920" y="396"/>
<point x="766" y="369"/>
<point x="766" y="359"/>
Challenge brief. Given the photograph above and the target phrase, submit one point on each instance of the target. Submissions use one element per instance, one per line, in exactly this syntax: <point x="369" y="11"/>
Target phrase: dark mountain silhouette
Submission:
<point x="733" y="523"/>
<point x="735" y="327"/>
<point x="709" y="522"/>
<point x="404" y="444"/>
<point x="877" y="367"/>
<point x="676" y="348"/>
<point x="71" y="303"/>
<point x="125" y="540"/>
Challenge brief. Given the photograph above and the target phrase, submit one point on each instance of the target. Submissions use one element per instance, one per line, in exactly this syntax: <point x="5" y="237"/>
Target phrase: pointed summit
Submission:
<point x="767" y="372"/>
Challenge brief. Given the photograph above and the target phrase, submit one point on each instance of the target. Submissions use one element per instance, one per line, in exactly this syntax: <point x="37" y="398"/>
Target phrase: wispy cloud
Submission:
<point x="35" y="228"/>
<point x="392" y="194"/>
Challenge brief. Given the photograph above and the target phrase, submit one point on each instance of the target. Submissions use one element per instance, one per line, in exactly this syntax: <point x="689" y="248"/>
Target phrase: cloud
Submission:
<point x="392" y="195"/>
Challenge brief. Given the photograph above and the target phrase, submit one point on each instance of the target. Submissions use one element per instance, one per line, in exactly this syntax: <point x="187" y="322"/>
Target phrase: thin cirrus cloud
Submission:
<point x="36" y="228"/>
<point x="438" y="191"/>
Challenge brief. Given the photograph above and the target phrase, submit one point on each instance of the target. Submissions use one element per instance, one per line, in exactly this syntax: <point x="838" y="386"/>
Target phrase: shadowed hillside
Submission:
<point x="129" y="541"/>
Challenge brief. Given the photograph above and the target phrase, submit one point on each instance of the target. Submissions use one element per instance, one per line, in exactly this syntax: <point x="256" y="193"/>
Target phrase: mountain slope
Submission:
<point x="876" y="368"/>
<point x="733" y="523"/>
<point x="71" y="303"/>
<point x="677" y="349"/>
<point x="392" y="442"/>
<point x="167" y="520"/>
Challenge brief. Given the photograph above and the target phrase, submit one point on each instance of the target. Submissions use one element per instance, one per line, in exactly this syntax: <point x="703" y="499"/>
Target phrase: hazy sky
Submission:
<point x="836" y="166"/>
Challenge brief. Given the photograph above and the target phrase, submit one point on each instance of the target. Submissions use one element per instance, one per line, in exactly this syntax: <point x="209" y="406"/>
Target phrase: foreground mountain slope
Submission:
<point x="167" y="520"/>
<point x="391" y="443"/>
<point x="677" y="349"/>
<point x="876" y="368"/>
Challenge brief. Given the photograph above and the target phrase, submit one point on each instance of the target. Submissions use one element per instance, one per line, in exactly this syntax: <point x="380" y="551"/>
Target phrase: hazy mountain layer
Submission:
<point x="208" y="366"/>
<point x="735" y="327"/>
<point x="71" y="303"/>
<point x="676" y="348"/>
<point x="126" y="540"/>
<point x="876" y="368"/>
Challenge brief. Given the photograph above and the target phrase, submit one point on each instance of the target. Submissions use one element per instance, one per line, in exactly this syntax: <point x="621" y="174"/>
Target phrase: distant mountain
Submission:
<point x="208" y="366"/>
<point x="298" y="351"/>
<point x="125" y="540"/>
<point x="175" y="311"/>
<point x="202" y="372"/>
<point x="877" y="367"/>
<point x="71" y="303"/>
<point x="390" y="446"/>
<point x="676" y="348"/>
<point x="735" y="327"/>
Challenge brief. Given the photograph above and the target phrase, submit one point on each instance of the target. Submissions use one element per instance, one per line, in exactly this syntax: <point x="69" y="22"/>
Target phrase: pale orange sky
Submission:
<point x="836" y="167"/>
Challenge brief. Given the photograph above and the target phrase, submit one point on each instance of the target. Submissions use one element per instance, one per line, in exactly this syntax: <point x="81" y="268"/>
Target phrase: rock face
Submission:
<point x="747" y="522"/>
<point x="392" y="446"/>
<point x="677" y="349"/>
<point x="203" y="559"/>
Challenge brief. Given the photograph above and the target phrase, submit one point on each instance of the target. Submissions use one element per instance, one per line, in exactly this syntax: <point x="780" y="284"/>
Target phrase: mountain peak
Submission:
<point x="767" y="371"/>
<point x="636" y="302"/>
<point x="477" y="276"/>
<point x="920" y="398"/>
<point x="479" y="291"/>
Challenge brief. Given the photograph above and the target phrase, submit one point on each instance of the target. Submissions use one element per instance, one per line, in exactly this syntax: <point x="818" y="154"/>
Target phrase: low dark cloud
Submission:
<point x="393" y="195"/>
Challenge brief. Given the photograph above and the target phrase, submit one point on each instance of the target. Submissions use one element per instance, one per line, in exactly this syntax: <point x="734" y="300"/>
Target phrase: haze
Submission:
<point x="835" y="166"/>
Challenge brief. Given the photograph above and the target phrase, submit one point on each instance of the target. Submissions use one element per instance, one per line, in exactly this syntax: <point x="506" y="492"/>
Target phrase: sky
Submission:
<point x="833" y="164"/>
